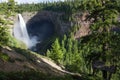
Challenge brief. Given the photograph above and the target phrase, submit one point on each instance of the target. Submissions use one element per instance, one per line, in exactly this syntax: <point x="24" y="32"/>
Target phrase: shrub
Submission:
<point x="30" y="75"/>
<point x="4" y="57"/>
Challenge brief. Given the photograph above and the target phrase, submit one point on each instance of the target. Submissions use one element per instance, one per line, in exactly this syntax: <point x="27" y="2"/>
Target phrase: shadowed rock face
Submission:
<point x="42" y="29"/>
<point x="42" y="24"/>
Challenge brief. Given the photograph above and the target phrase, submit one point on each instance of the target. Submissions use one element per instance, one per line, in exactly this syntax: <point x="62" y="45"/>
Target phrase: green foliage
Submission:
<point x="5" y="38"/>
<point x="4" y="30"/>
<point x="12" y="42"/>
<point x="7" y="8"/>
<point x="2" y="21"/>
<point x="3" y="8"/>
<point x="11" y="5"/>
<point x="74" y="59"/>
<point x="30" y="75"/>
<point x="4" y="57"/>
<point x="102" y="39"/>
<point x="102" y="43"/>
<point x="56" y="52"/>
<point x="3" y="35"/>
<point x="66" y="7"/>
<point x="67" y="53"/>
<point x="48" y="53"/>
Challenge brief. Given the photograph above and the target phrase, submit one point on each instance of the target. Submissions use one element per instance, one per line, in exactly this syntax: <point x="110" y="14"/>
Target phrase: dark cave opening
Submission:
<point x="42" y="30"/>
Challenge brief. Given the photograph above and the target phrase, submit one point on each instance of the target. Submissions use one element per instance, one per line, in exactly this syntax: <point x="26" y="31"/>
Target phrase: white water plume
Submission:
<point x="21" y="33"/>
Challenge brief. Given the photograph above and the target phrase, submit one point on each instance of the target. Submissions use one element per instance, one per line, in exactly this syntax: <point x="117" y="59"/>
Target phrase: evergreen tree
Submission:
<point x="4" y="38"/>
<point x="103" y="14"/>
<point x="56" y="52"/>
<point x="48" y="53"/>
<point x="63" y="43"/>
<point x="69" y="51"/>
<point x="11" y="6"/>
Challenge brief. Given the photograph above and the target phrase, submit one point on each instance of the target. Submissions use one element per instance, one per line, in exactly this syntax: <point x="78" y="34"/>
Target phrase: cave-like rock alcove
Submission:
<point x="42" y="28"/>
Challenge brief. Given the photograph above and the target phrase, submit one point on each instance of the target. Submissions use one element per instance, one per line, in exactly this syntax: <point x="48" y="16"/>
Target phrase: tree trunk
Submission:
<point x="104" y="74"/>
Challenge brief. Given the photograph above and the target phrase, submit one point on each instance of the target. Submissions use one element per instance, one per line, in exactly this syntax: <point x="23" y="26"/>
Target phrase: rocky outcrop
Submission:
<point x="49" y="16"/>
<point x="30" y="61"/>
<point x="80" y="19"/>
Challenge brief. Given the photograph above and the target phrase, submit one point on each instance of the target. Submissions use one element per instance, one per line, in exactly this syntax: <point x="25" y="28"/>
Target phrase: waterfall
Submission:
<point x="21" y="33"/>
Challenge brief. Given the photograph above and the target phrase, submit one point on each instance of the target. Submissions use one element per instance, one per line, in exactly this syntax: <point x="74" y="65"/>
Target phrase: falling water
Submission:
<point x="20" y="32"/>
